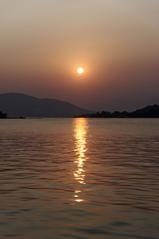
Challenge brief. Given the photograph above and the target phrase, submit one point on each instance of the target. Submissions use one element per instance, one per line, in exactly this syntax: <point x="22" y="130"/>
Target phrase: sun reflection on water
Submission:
<point x="80" y="134"/>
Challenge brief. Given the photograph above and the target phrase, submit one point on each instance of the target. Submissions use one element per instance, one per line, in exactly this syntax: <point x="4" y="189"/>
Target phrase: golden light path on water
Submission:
<point x="80" y="135"/>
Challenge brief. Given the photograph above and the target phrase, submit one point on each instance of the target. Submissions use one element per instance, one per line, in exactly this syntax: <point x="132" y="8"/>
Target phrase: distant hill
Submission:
<point x="148" y="111"/>
<point x="21" y="105"/>
<point x="151" y="111"/>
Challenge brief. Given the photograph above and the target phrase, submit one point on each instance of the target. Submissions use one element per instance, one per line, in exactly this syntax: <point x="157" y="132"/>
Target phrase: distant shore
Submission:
<point x="151" y="111"/>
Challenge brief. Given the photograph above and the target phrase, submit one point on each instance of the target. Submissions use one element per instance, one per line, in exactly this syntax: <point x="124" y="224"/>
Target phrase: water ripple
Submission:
<point x="79" y="178"/>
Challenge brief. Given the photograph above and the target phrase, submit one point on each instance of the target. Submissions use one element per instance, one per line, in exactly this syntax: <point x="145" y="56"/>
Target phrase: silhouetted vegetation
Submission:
<point x="151" y="111"/>
<point x="3" y="115"/>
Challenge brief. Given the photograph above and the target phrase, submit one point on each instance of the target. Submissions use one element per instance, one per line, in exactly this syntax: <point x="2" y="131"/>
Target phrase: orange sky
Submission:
<point x="43" y="41"/>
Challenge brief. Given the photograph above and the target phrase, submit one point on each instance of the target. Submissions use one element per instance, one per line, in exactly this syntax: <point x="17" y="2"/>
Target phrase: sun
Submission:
<point x="80" y="70"/>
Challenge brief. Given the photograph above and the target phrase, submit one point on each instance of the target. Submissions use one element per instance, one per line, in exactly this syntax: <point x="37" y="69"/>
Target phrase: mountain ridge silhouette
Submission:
<point x="23" y="105"/>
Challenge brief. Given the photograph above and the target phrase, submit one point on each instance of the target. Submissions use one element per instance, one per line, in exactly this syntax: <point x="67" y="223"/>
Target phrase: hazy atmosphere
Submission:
<point x="116" y="42"/>
<point x="79" y="119"/>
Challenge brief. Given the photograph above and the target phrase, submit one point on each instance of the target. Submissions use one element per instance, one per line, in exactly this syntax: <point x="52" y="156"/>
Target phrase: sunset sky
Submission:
<point x="42" y="42"/>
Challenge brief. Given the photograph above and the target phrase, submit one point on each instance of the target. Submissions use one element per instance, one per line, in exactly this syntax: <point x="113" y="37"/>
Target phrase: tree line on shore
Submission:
<point x="3" y="115"/>
<point x="151" y="111"/>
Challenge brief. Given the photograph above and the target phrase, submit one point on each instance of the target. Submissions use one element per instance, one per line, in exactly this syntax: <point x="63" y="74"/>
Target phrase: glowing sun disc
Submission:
<point x="80" y="70"/>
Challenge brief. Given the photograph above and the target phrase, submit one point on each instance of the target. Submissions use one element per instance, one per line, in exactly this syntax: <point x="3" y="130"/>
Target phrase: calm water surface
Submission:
<point x="79" y="178"/>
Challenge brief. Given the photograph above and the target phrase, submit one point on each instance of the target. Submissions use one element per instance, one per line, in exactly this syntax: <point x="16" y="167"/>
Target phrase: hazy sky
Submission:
<point x="117" y="41"/>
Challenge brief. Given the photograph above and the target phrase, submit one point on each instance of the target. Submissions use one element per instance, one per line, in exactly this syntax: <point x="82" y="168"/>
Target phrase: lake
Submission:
<point x="79" y="178"/>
